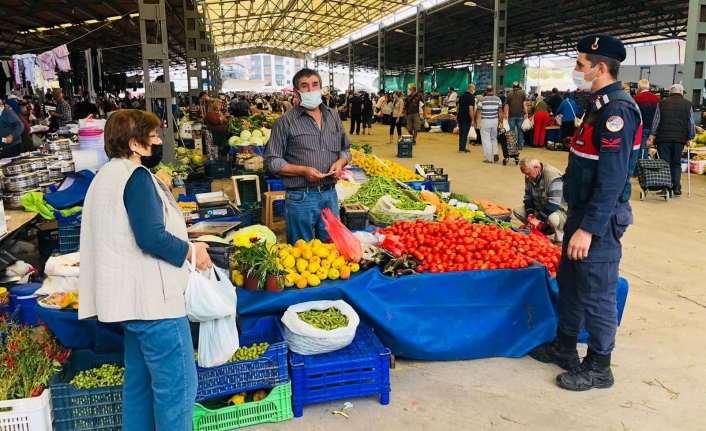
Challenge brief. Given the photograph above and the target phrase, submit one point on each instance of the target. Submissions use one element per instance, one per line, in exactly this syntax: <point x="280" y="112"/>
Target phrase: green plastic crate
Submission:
<point x="277" y="407"/>
<point x="263" y="182"/>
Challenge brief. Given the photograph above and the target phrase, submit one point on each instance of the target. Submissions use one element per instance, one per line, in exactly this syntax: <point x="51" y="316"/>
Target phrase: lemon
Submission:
<point x="322" y="252"/>
<point x="322" y="273"/>
<point x="313" y="267"/>
<point x="239" y="280"/>
<point x="296" y="253"/>
<point x="236" y="400"/>
<point x="300" y="244"/>
<point x="313" y="280"/>
<point x="325" y="264"/>
<point x="315" y="259"/>
<point x="288" y="261"/>
<point x="283" y="254"/>
<point x="305" y="274"/>
<point x="301" y="265"/>
<point x="289" y="280"/>
<point x="333" y="274"/>
<point x="307" y="254"/>
<point x="339" y="262"/>
<point x="354" y="267"/>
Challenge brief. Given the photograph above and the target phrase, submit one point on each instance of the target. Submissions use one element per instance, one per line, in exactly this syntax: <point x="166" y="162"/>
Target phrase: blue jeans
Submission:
<point x="517" y="122"/>
<point x="644" y="152"/>
<point x="303" y="213"/>
<point x="160" y="376"/>
<point x="464" y="128"/>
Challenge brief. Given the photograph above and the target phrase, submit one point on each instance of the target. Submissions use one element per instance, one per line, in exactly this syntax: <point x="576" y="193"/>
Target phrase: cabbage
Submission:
<point x="234" y="140"/>
<point x="211" y="238"/>
<point x="245" y="135"/>
<point x="262" y="232"/>
<point x="197" y="158"/>
<point x="258" y="141"/>
<point x="266" y="132"/>
<point x="257" y="133"/>
<point x="181" y="152"/>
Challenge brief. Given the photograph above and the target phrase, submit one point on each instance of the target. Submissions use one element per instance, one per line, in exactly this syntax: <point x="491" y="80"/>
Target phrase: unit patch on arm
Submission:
<point x="615" y="124"/>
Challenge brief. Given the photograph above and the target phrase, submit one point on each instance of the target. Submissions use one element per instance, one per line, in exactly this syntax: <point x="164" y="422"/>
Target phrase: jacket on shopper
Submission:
<point x="133" y="285"/>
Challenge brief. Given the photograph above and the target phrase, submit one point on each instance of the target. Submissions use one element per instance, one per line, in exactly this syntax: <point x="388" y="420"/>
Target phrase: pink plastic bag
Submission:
<point x="348" y="245"/>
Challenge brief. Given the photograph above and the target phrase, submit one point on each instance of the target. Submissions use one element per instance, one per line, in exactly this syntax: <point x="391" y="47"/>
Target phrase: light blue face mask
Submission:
<point x="311" y="99"/>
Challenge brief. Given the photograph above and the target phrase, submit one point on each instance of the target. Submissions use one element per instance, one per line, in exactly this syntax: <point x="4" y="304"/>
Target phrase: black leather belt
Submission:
<point x="312" y="189"/>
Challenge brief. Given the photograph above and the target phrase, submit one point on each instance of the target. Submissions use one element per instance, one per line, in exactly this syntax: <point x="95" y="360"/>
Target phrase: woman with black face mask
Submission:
<point x="134" y="247"/>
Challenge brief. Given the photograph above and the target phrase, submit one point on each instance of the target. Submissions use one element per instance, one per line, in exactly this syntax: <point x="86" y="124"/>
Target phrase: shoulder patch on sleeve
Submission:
<point x="610" y="143"/>
<point x="615" y="123"/>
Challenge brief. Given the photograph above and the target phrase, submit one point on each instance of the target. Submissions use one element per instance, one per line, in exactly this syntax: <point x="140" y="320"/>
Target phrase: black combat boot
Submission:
<point x="562" y="351"/>
<point x="594" y="372"/>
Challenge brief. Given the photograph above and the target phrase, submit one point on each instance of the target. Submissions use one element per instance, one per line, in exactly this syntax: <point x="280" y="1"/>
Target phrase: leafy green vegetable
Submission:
<point x="460" y="198"/>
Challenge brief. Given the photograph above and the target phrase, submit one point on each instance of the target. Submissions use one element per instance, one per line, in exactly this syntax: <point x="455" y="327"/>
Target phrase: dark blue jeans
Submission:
<point x="303" y="213"/>
<point x="160" y="375"/>
<point x="464" y="129"/>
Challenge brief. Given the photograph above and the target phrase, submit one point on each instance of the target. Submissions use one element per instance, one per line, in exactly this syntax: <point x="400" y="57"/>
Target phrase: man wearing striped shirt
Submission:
<point x="308" y="149"/>
<point x="543" y="204"/>
<point x="491" y="108"/>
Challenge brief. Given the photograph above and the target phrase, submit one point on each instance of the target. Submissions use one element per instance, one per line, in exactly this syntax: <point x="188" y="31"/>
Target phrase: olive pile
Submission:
<point x="106" y="375"/>
<point x="326" y="319"/>
<point x="248" y="353"/>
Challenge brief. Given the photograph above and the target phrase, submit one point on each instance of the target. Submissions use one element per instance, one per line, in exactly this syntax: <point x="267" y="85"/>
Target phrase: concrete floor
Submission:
<point x="658" y="364"/>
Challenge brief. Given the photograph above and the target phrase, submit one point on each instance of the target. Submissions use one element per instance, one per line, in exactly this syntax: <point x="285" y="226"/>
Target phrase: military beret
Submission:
<point x="602" y="44"/>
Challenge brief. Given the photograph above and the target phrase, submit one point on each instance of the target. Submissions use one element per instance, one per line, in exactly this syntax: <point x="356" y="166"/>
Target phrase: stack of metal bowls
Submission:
<point x="18" y="178"/>
<point x="60" y="149"/>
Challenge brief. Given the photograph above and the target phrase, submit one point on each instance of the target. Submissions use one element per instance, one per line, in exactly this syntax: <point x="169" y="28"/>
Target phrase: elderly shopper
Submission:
<point x="216" y="138"/>
<point x="133" y="271"/>
<point x="543" y="205"/>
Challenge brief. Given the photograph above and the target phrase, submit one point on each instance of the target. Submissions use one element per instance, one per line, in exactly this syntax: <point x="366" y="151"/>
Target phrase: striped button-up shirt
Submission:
<point x="296" y="139"/>
<point x="489" y="106"/>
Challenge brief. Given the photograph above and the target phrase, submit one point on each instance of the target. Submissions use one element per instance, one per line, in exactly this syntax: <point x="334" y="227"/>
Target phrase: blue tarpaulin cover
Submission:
<point x="461" y="315"/>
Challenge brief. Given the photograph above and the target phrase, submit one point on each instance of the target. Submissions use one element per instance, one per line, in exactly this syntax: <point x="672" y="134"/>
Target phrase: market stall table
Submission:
<point x="18" y="221"/>
<point x="451" y="316"/>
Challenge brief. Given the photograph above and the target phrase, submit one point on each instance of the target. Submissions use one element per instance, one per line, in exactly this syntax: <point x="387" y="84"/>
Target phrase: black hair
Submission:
<point x="203" y="93"/>
<point x="304" y="73"/>
<point x="555" y="91"/>
<point x="612" y="64"/>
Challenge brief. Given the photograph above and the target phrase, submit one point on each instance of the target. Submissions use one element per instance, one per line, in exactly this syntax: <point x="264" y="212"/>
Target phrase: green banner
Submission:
<point x="456" y="78"/>
<point x="483" y="75"/>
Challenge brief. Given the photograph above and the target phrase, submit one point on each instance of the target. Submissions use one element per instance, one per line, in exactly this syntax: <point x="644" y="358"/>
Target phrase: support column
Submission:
<point x="381" y="58"/>
<point x="351" y="66"/>
<point x="499" y="44"/>
<point x="193" y="59"/>
<point x="419" y="52"/>
<point x="433" y="79"/>
<point x="695" y="56"/>
<point x="158" y="90"/>
<point x="330" y="70"/>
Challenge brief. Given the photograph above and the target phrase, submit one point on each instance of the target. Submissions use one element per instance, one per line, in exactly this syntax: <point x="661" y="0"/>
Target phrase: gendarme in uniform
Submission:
<point x="597" y="190"/>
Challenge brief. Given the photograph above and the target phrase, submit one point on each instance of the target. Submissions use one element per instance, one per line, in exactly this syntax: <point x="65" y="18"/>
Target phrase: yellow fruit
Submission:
<point x="239" y="280"/>
<point x="325" y="264"/>
<point x="301" y="282"/>
<point x="288" y="261"/>
<point x="345" y="273"/>
<point x="307" y="254"/>
<point x="315" y="259"/>
<point x="313" y="267"/>
<point x="236" y="399"/>
<point x="332" y="256"/>
<point x="259" y="396"/>
<point x="322" y="273"/>
<point x="313" y="280"/>
<point x="289" y="280"/>
<point x="322" y="252"/>
<point x="280" y="266"/>
<point x="333" y="274"/>
<point x="301" y="265"/>
<point x="283" y="254"/>
<point x="300" y="244"/>
<point x="305" y="274"/>
<point x="339" y="262"/>
<point x="296" y="252"/>
<point x="354" y="267"/>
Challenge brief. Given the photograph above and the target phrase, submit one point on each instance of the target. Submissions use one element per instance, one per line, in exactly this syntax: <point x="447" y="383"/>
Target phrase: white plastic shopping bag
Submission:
<point x="304" y="339"/>
<point x="211" y="299"/>
<point x="526" y="125"/>
<point x="472" y="136"/>
<point x="506" y="125"/>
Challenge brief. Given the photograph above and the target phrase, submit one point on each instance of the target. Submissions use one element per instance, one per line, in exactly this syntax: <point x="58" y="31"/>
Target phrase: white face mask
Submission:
<point x="311" y="99"/>
<point x="580" y="79"/>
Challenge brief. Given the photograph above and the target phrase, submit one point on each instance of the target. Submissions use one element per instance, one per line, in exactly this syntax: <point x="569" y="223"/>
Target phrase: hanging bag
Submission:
<point x="345" y="241"/>
<point x="472" y="136"/>
<point x="577" y="120"/>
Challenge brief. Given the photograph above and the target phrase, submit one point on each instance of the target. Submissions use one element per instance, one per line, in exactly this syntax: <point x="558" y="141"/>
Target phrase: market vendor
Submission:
<point x="308" y="149"/>
<point x="597" y="190"/>
<point x="543" y="205"/>
<point x="216" y="138"/>
<point x="133" y="272"/>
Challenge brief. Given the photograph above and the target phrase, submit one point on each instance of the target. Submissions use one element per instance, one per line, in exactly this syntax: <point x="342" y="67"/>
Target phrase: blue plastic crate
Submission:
<point x="417" y="185"/>
<point x="360" y="369"/>
<point x="97" y="409"/>
<point x="69" y="237"/>
<point x="193" y="189"/>
<point x="442" y="186"/>
<point x="274" y="186"/>
<point x="267" y="371"/>
<point x="250" y="214"/>
<point x="217" y="169"/>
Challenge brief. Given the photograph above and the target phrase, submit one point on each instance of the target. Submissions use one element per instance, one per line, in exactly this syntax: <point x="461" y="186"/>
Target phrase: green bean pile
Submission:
<point x="327" y="319"/>
<point x="377" y="187"/>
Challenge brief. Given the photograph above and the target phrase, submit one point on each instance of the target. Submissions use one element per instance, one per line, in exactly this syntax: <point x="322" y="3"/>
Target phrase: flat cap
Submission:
<point x="602" y="44"/>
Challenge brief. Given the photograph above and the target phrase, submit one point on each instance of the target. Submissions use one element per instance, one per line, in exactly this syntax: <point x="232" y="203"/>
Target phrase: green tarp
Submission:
<point x="445" y="78"/>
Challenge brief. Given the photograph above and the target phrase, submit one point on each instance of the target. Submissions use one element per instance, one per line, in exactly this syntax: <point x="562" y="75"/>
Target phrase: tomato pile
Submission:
<point x="460" y="246"/>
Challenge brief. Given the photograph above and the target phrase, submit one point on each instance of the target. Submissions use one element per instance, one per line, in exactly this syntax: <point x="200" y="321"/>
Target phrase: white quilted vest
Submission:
<point x="120" y="282"/>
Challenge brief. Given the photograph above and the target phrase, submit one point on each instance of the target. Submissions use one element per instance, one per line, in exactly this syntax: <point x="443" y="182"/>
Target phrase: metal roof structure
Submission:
<point x="458" y="34"/>
<point x="35" y="26"/>
<point x="294" y="28"/>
